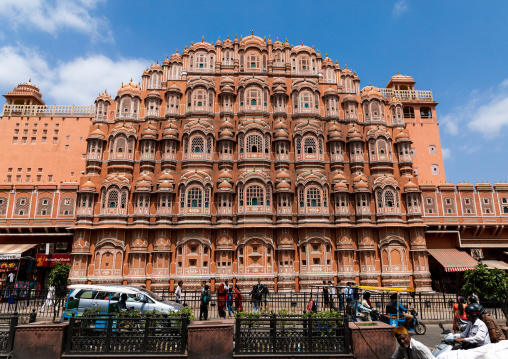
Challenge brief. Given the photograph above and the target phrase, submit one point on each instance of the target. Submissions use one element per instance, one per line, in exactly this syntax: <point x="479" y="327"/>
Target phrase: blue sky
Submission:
<point x="74" y="49"/>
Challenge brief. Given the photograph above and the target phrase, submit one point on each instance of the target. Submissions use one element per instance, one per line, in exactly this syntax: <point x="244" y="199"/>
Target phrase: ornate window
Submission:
<point x="362" y="204"/>
<point x="143" y="204"/>
<point x="199" y="99"/>
<point x="22" y="206"/>
<point x="255" y="195"/>
<point x="197" y="144"/>
<point x="201" y="62"/>
<point x="155" y="80"/>
<point x="284" y="203"/>
<point x="252" y="62"/>
<point x="307" y="101"/>
<point x="67" y="205"/>
<point x="313" y="199"/>
<point x="194" y="197"/>
<point x="309" y="145"/>
<point x="44" y="205"/>
<point x="387" y="201"/>
<point x="303" y="64"/>
<point x="114" y="201"/>
<point x="341" y="203"/>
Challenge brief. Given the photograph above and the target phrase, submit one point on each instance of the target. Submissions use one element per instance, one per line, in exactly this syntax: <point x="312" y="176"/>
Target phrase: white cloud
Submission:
<point x="55" y="16"/>
<point x="77" y="81"/>
<point x="399" y="8"/>
<point x="490" y="118"/>
<point x="447" y="153"/>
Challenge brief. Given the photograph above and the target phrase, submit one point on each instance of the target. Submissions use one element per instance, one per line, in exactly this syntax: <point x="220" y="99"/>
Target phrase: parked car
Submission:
<point x="106" y="297"/>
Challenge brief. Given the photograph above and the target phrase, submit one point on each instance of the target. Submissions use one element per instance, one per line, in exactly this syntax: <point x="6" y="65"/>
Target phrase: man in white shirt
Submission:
<point x="178" y="292"/>
<point x="408" y="347"/>
<point x="332" y="294"/>
<point x="348" y="292"/>
<point x="476" y="333"/>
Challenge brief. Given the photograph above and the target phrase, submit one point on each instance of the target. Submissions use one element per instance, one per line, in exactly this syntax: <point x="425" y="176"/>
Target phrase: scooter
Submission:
<point x="447" y="344"/>
<point x="461" y="325"/>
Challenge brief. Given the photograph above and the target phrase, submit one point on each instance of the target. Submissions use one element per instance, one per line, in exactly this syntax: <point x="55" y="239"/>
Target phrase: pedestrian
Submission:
<point x="178" y="292"/>
<point x="265" y="295"/>
<point x="326" y="295"/>
<point x="221" y="299"/>
<point x="203" y="283"/>
<point x="340" y="294"/>
<point x="409" y="348"/>
<point x="254" y="298"/>
<point x="238" y="298"/>
<point x="226" y="286"/>
<point x="459" y="311"/>
<point x="229" y="302"/>
<point x="50" y="300"/>
<point x="205" y="301"/>
<point x="332" y="294"/>
<point x="495" y="332"/>
<point x="348" y="292"/>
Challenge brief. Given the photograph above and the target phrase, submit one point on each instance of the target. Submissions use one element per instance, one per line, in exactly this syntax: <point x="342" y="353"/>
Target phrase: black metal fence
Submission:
<point x="109" y="335"/>
<point x="23" y="301"/>
<point x="298" y="335"/>
<point x="7" y="325"/>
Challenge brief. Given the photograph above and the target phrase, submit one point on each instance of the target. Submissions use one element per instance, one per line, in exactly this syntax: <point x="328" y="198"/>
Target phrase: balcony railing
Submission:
<point x="407" y="95"/>
<point x="48" y="111"/>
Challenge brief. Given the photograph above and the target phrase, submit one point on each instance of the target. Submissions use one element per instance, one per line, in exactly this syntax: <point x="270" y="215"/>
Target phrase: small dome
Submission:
<point x="279" y="82"/>
<point x="166" y="185"/>
<point x="253" y="40"/>
<point x="156" y="67"/>
<point x="153" y="94"/>
<point x="165" y="62"/>
<point x="88" y="186"/>
<point x="354" y="134"/>
<point x="360" y="177"/>
<point x="282" y="175"/>
<point x="279" y="89"/>
<point x="280" y="125"/>
<point x="349" y="98"/>
<point x="339" y="177"/>
<point x="227" y="81"/>
<point x="281" y="134"/>
<point x="97" y="133"/>
<point x="143" y="185"/>
<point x="130" y="88"/>
<point x="170" y="130"/>
<point x="104" y="97"/>
<point x="361" y="185"/>
<point x="174" y="88"/>
<point x="330" y="91"/>
<point x="327" y="61"/>
<point x="225" y="175"/>
<point x="149" y="132"/>
<point x="225" y="185"/>
<point x="340" y="187"/>
<point x="225" y="125"/>
<point x="401" y="135"/>
<point x="166" y="176"/>
<point x="410" y="186"/>
<point x="227" y="89"/>
<point x="226" y="134"/>
<point x="283" y="186"/>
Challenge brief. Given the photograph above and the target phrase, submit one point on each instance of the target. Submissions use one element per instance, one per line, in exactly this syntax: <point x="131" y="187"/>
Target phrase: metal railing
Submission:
<point x="109" y="335"/>
<point x="48" y="111"/>
<point x="29" y="302"/>
<point x="7" y="330"/>
<point x="273" y="335"/>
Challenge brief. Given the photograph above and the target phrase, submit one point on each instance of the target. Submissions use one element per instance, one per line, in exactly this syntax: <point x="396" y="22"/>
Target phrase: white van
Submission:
<point x="106" y="297"/>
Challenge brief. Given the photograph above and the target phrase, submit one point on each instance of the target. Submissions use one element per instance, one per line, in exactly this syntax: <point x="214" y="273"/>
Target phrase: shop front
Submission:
<point x="17" y="268"/>
<point x="447" y="267"/>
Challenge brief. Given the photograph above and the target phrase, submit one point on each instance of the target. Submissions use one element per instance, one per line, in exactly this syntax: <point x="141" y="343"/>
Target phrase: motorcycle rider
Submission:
<point x="476" y="333"/>
<point x="408" y="347"/>
<point x="495" y="332"/>
<point x="408" y="323"/>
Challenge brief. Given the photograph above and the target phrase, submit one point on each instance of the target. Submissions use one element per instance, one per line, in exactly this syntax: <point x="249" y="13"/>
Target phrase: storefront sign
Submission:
<point x="49" y="260"/>
<point x="9" y="256"/>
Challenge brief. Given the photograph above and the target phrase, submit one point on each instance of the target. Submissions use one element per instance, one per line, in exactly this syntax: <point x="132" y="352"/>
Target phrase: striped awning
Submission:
<point x="453" y="260"/>
<point x="496" y="264"/>
<point x="13" y="251"/>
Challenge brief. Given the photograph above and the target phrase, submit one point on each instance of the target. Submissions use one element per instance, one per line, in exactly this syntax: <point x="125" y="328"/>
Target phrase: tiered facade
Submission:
<point x="249" y="160"/>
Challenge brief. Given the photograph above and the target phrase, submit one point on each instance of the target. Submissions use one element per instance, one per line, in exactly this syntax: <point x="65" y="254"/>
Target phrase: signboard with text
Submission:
<point x="49" y="260"/>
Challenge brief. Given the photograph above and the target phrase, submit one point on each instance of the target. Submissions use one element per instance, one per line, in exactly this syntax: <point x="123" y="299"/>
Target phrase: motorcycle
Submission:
<point x="461" y="325"/>
<point x="447" y="344"/>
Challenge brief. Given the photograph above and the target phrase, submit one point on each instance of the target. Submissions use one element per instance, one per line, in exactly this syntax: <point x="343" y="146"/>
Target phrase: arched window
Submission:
<point x="306" y="100"/>
<point x="252" y="61"/>
<point x="303" y="64"/>
<point x="201" y="61"/>
<point x="254" y="143"/>
<point x="255" y="195"/>
<point x="199" y="98"/>
<point x="309" y="145"/>
<point x="254" y="96"/>
<point x="389" y="199"/>
<point x="197" y="144"/>
<point x="194" y="197"/>
<point x="313" y="197"/>
<point x="120" y="144"/>
<point x="113" y="199"/>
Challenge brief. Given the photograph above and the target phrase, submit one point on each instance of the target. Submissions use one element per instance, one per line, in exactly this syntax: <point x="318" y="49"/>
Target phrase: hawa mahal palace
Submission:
<point x="244" y="159"/>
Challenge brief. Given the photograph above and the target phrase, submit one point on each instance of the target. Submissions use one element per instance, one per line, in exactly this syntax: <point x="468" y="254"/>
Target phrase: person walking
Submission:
<point x="238" y="298"/>
<point x="178" y="292"/>
<point x="221" y="299"/>
<point x="265" y="295"/>
<point x="255" y="298"/>
<point x="332" y="294"/>
<point x="229" y="302"/>
<point x="340" y="294"/>
<point x="205" y="301"/>
<point x="326" y="295"/>
<point x="348" y="292"/>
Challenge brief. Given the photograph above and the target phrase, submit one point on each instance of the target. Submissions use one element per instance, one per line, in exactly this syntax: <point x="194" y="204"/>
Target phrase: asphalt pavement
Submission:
<point x="432" y="337"/>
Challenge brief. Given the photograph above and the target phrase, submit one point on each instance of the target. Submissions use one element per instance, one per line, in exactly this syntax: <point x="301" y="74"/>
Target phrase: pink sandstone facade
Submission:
<point x="243" y="160"/>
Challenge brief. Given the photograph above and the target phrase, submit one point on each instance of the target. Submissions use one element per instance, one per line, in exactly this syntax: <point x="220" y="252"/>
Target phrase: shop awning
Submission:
<point x="453" y="260"/>
<point x="14" y="251"/>
<point x="496" y="264"/>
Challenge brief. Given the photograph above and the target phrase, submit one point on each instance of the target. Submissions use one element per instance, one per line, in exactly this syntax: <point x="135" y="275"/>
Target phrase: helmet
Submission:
<point x="474" y="309"/>
<point x="461" y="299"/>
<point x="473" y="299"/>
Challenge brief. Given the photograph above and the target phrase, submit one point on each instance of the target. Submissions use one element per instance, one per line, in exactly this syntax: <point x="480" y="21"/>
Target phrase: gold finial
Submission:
<point x="264" y="39"/>
<point x="369" y="83"/>
<point x="301" y="43"/>
<point x="286" y="39"/>
<point x="345" y="66"/>
<point x="254" y="169"/>
<point x="167" y="56"/>
<point x="252" y="32"/>
<point x="252" y="75"/>
<point x="219" y="37"/>
<point x="212" y="43"/>
<point x="228" y="37"/>
<point x="241" y="37"/>
<point x="236" y="36"/>
<point x="191" y="43"/>
<point x="157" y="62"/>
<point x="202" y="39"/>
<point x="185" y="47"/>
<point x="269" y="38"/>
<point x="326" y="54"/>
<point x="398" y="73"/>
<point x="336" y="62"/>
<point x="312" y="47"/>
<point x="277" y="39"/>
<point x="354" y="73"/>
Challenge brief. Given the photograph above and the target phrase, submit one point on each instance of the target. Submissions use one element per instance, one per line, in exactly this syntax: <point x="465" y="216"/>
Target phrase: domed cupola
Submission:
<point x="170" y="131"/>
<point x="143" y="183"/>
<point x="354" y="135"/>
<point x="150" y="132"/>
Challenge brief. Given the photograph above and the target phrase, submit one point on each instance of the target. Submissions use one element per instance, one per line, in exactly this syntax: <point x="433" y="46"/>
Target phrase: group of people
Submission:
<point x="259" y="295"/>
<point x="481" y="330"/>
<point x="229" y="298"/>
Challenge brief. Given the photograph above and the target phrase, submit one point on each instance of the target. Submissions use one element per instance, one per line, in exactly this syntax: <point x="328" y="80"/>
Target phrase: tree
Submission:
<point x="59" y="275"/>
<point x="489" y="284"/>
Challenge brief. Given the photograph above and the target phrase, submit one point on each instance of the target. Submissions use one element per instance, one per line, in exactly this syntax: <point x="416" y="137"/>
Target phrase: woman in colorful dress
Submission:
<point x="221" y="299"/>
<point x="238" y="297"/>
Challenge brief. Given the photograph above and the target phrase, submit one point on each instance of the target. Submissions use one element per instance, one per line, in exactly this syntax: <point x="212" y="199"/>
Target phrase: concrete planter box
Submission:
<point x="371" y="341"/>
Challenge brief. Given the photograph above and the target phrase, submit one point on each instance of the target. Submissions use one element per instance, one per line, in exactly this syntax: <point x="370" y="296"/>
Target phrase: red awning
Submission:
<point x="13" y="251"/>
<point x="453" y="260"/>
